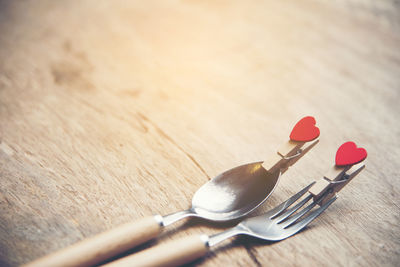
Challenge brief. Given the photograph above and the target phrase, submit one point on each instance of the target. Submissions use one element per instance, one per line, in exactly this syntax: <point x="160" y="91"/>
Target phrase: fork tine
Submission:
<point x="300" y="225"/>
<point x="295" y="217"/>
<point x="290" y="211"/>
<point x="277" y="210"/>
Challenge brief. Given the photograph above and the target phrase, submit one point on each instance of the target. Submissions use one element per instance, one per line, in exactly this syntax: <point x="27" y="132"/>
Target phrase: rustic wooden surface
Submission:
<point x="110" y="111"/>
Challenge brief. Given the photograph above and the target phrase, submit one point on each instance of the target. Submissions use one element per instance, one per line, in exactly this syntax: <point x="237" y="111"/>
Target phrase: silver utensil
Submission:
<point x="275" y="225"/>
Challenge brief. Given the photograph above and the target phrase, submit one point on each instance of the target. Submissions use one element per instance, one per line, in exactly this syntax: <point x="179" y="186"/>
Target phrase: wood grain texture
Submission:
<point x="111" y="111"/>
<point x="169" y="254"/>
<point x="101" y="247"/>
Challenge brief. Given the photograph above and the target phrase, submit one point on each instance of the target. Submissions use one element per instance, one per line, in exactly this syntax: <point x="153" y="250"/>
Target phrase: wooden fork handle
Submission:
<point x="102" y="246"/>
<point x="174" y="253"/>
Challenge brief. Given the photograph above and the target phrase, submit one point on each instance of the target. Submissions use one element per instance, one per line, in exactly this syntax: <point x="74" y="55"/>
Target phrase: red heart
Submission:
<point x="349" y="154"/>
<point x="305" y="130"/>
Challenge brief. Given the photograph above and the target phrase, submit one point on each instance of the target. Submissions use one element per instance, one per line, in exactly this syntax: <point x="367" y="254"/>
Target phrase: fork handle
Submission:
<point x="103" y="246"/>
<point x="174" y="253"/>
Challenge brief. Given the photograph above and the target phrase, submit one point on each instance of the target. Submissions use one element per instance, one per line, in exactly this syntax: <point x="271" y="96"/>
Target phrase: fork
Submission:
<point x="277" y="224"/>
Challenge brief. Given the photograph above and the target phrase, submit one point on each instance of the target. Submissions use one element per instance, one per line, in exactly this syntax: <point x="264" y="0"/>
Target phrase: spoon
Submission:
<point x="230" y="195"/>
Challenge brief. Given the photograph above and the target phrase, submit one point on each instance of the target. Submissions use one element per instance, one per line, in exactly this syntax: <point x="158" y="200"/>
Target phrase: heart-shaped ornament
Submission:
<point x="350" y="154"/>
<point x="305" y="130"/>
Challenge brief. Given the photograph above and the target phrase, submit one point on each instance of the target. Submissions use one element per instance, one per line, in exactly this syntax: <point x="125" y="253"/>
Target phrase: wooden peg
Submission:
<point x="319" y="188"/>
<point x="276" y="161"/>
<point x="272" y="163"/>
<point x="335" y="173"/>
<point x="303" y="150"/>
<point x="286" y="156"/>
<point x="335" y="179"/>
<point x="290" y="148"/>
<point x="349" y="175"/>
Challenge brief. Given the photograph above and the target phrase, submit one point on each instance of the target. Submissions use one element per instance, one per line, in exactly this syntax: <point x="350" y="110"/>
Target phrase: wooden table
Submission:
<point x="110" y="111"/>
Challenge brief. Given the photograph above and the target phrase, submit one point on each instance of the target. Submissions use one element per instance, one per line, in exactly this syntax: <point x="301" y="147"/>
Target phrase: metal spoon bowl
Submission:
<point x="230" y="195"/>
<point x="235" y="193"/>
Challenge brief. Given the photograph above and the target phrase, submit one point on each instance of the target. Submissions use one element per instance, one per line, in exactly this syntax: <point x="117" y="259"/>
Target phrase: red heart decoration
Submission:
<point x="349" y="154"/>
<point x="305" y="130"/>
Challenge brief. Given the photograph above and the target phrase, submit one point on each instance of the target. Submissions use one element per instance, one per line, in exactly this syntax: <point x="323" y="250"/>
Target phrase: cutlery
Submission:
<point x="230" y="195"/>
<point x="277" y="224"/>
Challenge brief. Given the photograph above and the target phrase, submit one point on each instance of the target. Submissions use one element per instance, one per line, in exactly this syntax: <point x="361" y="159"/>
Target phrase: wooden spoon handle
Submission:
<point x="174" y="253"/>
<point x="102" y="246"/>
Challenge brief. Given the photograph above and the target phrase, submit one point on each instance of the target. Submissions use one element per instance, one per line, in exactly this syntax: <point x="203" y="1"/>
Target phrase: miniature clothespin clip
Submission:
<point x="303" y="132"/>
<point x="348" y="164"/>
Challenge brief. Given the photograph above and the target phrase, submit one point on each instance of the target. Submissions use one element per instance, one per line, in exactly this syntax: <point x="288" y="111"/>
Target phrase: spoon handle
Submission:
<point x="103" y="246"/>
<point x="174" y="253"/>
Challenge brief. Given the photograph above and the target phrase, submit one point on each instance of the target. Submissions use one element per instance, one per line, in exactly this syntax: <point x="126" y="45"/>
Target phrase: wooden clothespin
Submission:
<point x="286" y="156"/>
<point x="303" y="132"/>
<point x="348" y="164"/>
